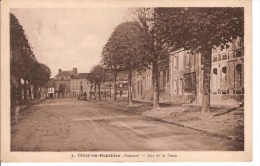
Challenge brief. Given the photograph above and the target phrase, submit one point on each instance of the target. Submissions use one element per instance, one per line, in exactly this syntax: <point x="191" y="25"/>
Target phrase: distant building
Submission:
<point x="43" y="92"/>
<point x="62" y="83"/>
<point x="51" y="88"/>
<point x="122" y="83"/>
<point x="79" y="84"/>
<point x="142" y="85"/>
<point x="108" y="87"/>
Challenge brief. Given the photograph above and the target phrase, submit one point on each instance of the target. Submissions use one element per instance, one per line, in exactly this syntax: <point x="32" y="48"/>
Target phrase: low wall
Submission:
<point x="226" y="99"/>
<point x="186" y="99"/>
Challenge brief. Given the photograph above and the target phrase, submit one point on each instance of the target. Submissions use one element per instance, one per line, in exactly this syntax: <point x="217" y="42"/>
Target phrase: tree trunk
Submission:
<point x="91" y="92"/>
<point x="130" y="99"/>
<point x="155" y="86"/>
<point x="30" y="90"/>
<point x="25" y="91"/>
<point x="35" y="91"/>
<point x="99" y="92"/>
<point x="115" y="87"/>
<point x="95" y="91"/>
<point x="40" y="93"/>
<point x="19" y="91"/>
<point x="206" y="61"/>
<point x="110" y="86"/>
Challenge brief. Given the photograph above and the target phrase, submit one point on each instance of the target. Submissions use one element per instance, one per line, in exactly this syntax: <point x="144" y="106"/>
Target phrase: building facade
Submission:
<point x="43" y="92"/>
<point x="227" y="74"/>
<point x="185" y="76"/>
<point x="142" y="85"/>
<point x="182" y="80"/>
<point x="51" y="88"/>
<point x="62" y="83"/>
<point x="79" y="85"/>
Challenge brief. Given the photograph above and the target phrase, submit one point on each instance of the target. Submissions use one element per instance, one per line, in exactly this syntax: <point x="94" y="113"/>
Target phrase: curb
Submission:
<point x="178" y="124"/>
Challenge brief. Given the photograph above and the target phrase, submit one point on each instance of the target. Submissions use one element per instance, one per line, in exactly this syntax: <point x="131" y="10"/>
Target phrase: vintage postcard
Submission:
<point x="157" y="81"/>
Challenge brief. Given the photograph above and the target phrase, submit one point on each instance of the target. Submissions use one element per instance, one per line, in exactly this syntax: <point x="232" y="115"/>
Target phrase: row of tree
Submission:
<point x="25" y="70"/>
<point x="140" y="43"/>
<point x="97" y="76"/>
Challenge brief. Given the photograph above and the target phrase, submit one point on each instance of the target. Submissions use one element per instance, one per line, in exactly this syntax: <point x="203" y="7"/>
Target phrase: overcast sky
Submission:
<point x="68" y="38"/>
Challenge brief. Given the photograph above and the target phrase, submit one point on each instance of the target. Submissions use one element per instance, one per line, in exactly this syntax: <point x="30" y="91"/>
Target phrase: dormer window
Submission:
<point x="214" y="51"/>
<point x="238" y="53"/>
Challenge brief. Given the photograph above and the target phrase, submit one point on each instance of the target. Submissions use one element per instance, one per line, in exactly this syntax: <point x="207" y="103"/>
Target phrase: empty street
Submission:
<point x="74" y="125"/>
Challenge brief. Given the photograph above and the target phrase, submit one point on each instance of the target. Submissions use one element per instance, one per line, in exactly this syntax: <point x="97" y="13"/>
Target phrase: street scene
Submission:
<point x="127" y="79"/>
<point x="71" y="125"/>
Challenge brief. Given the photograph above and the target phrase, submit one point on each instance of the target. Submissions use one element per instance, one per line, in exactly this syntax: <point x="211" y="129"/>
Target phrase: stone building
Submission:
<point x="184" y="76"/>
<point x="79" y="84"/>
<point x="227" y="78"/>
<point x="62" y="83"/>
<point x="142" y="85"/>
<point x="142" y="82"/>
<point x="182" y="80"/>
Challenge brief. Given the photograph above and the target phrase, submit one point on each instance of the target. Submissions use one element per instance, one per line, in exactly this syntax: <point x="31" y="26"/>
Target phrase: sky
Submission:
<point x="66" y="38"/>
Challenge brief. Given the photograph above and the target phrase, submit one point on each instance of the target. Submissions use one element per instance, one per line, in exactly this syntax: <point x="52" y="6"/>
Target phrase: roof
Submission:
<point x="65" y="73"/>
<point x="80" y="76"/>
<point x="51" y="83"/>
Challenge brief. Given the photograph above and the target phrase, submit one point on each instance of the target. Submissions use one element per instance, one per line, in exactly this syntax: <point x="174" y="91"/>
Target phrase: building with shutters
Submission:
<point x="181" y="81"/>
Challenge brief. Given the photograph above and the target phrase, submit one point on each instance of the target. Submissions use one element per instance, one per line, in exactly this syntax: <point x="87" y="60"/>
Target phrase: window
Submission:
<point x="175" y="86"/>
<point x="239" y="43"/>
<point x="239" y="79"/>
<point x="238" y="53"/>
<point x="224" y="56"/>
<point x="189" y="82"/>
<point x="186" y="59"/>
<point x="214" y="79"/>
<point x="214" y="51"/>
<point x="161" y="78"/>
<point x="175" y="62"/>
<point x="224" y="77"/>
<point x="215" y="58"/>
<point x="219" y="57"/>
<point x="164" y="79"/>
<point x="138" y="86"/>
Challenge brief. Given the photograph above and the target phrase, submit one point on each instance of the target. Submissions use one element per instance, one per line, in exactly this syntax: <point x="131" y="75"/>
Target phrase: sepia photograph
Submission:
<point x="128" y="82"/>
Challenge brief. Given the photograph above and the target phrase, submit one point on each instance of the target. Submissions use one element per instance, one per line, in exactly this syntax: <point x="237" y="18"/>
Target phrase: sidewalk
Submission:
<point x="224" y="122"/>
<point x="16" y="111"/>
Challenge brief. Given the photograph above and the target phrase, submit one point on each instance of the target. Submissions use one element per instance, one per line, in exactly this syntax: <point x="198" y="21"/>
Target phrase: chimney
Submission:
<point x="75" y="70"/>
<point x="59" y="70"/>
